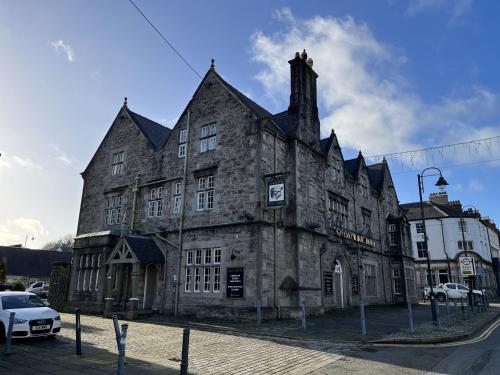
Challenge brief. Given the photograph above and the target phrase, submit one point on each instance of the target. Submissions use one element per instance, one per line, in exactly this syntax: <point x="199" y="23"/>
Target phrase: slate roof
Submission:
<point x="376" y="176"/>
<point x="351" y="166"/>
<point x="145" y="249"/>
<point x="155" y="133"/>
<point x="431" y="210"/>
<point x="325" y="144"/>
<point x="254" y="107"/>
<point x="281" y="120"/>
<point x="31" y="263"/>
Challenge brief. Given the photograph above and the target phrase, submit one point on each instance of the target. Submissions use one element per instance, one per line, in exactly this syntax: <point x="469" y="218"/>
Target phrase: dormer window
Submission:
<point x="208" y="137"/>
<point x="117" y="165"/>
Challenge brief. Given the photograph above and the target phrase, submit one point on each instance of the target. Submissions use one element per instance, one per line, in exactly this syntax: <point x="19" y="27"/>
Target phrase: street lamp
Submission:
<point x="441" y="184"/>
<point x="464" y="247"/>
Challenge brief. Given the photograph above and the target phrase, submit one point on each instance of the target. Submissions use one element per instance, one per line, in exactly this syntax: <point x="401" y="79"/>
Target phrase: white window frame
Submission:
<point x="208" y="256"/>
<point x="419" y="227"/>
<point x="183" y="136"/>
<point x="198" y="257"/>
<point x="392" y="228"/>
<point x="217" y="280"/>
<point x="217" y="255"/>
<point x="206" y="279"/>
<point x="200" y="200"/>
<point x="189" y="258"/>
<point x="392" y="239"/>
<point x="197" y="279"/>
<point x="177" y="204"/>
<point x="117" y="163"/>
<point x="182" y="151"/>
<point x="187" y="278"/>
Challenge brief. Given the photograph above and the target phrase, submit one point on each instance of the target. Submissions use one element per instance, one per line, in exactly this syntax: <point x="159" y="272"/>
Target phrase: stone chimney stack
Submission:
<point x="303" y="110"/>
<point x="439" y="198"/>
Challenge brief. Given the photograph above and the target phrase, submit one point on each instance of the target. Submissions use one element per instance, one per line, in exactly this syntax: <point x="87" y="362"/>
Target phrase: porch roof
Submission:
<point x="145" y="249"/>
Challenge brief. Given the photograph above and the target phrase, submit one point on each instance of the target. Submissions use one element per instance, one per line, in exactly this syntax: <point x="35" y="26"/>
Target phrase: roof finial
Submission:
<point x="383" y="159"/>
<point x="360" y="154"/>
<point x="212" y="64"/>
<point x="125" y="101"/>
<point x="304" y="55"/>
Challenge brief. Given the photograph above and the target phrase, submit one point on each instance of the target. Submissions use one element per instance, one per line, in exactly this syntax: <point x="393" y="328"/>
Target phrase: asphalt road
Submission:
<point x="478" y="356"/>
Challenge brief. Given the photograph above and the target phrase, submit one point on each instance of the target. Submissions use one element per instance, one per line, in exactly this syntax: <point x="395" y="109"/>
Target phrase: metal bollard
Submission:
<point x="259" y="316"/>
<point x="117" y="330"/>
<point x="362" y="313"/>
<point x="121" y="349"/>
<point x="410" y="318"/>
<point x="185" y="351"/>
<point x="303" y="314"/>
<point x="8" y="341"/>
<point x="78" y="331"/>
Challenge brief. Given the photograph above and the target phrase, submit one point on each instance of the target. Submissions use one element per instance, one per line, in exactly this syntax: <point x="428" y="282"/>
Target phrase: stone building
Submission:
<point x="235" y="205"/>
<point x="445" y="242"/>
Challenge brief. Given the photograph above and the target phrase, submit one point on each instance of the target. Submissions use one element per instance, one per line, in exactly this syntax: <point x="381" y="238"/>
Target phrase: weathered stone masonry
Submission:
<point x="281" y="255"/>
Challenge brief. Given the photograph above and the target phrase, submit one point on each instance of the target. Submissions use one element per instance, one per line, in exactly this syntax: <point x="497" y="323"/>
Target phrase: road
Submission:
<point x="479" y="356"/>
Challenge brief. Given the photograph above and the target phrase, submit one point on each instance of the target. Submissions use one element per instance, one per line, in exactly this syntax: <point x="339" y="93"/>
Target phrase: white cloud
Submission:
<point x="15" y="231"/>
<point x="59" y="45"/>
<point x="361" y="93"/>
<point x="475" y="185"/>
<point x="456" y="9"/>
<point x="62" y="156"/>
<point x="10" y="161"/>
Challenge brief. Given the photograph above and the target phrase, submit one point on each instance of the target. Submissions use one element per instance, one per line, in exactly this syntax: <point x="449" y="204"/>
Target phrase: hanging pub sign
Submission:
<point x="276" y="192"/>
<point x="353" y="236"/>
<point x="466" y="266"/>
<point x="235" y="277"/>
<point x="355" y="285"/>
<point x="328" y="283"/>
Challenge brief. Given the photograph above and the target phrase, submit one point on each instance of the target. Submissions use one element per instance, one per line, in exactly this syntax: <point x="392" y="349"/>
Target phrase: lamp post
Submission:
<point x="441" y="183"/>
<point x="464" y="247"/>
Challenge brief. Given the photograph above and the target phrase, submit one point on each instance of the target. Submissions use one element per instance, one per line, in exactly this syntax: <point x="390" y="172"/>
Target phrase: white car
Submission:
<point x="452" y="291"/>
<point x="33" y="318"/>
<point x="38" y="287"/>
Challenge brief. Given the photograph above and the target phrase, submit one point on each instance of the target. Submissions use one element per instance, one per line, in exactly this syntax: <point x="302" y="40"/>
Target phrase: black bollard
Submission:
<point x="8" y="341"/>
<point x="185" y="351"/>
<point x="78" y="330"/>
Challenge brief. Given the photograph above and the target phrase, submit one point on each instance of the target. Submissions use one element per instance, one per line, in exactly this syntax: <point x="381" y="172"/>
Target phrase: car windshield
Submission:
<point x="21" y="301"/>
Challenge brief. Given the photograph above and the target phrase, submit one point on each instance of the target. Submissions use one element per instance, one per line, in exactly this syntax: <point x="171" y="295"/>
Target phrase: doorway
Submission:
<point x="149" y="286"/>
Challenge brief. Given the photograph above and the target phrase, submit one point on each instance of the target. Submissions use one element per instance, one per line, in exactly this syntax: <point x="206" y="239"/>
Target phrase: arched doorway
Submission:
<point x="339" y="284"/>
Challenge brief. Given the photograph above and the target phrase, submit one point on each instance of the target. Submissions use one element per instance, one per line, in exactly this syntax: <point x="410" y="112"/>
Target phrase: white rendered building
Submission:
<point x="445" y="242"/>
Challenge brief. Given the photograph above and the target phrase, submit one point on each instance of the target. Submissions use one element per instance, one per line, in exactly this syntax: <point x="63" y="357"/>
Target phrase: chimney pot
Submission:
<point x="304" y="55"/>
<point x="297" y="55"/>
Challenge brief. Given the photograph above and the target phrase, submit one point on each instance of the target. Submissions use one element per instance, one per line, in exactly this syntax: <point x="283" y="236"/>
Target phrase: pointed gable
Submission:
<point x="155" y="133"/>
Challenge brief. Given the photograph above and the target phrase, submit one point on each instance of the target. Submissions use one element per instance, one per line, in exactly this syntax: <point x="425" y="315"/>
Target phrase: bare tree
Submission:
<point x="66" y="240"/>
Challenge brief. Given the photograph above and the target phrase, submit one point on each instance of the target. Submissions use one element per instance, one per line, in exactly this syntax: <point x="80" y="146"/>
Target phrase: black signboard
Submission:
<point x="355" y="285"/>
<point x="235" y="277"/>
<point x="328" y="281"/>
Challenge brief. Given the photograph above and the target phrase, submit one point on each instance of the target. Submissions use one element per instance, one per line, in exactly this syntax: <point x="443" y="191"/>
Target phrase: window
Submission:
<point x="364" y="187"/>
<point x="205" y="195"/>
<point x="208" y="256"/>
<point x="338" y="212"/>
<point x="392" y="239"/>
<point x="211" y="259"/>
<point x="443" y="276"/>
<point x="468" y="246"/>
<point x="177" y="197"/>
<point x="396" y="279"/>
<point x="187" y="286"/>
<point x="117" y="165"/>
<point x="216" y="279"/>
<point x="206" y="279"/>
<point x="336" y="170"/>
<point x="462" y="224"/>
<point x="155" y="203"/>
<point x="208" y="137"/>
<point x="419" y="227"/>
<point x="367" y="220"/>
<point x="217" y="255"/>
<point x="197" y="278"/>
<point x="198" y="257"/>
<point x="370" y="280"/>
<point x="421" y="249"/>
<point x="182" y="151"/>
<point x="89" y="268"/>
<point x="183" y="135"/>
<point x="392" y="227"/>
<point x="113" y="210"/>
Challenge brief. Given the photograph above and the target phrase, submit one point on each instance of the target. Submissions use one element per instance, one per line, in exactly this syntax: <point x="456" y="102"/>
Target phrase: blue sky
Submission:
<point x="393" y="76"/>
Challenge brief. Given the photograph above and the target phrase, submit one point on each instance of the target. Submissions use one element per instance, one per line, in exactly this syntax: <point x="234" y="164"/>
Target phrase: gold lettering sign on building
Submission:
<point x="344" y="233"/>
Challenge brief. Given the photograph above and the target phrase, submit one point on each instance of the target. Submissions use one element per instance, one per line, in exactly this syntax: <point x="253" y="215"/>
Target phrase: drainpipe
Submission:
<point x="275" y="269"/>
<point x="181" y="220"/>
<point x="165" y="284"/>
<point x="135" y="190"/>
<point x="381" y="249"/>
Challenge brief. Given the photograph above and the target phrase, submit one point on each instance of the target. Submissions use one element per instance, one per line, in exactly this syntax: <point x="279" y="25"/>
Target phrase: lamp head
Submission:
<point x="441" y="183"/>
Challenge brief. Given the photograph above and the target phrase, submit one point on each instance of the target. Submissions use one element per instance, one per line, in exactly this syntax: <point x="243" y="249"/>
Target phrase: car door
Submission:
<point x="452" y="291"/>
<point x="463" y="290"/>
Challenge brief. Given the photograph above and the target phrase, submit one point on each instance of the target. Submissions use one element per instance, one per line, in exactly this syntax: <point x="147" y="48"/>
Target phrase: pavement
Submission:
<point x="331" y="344"/>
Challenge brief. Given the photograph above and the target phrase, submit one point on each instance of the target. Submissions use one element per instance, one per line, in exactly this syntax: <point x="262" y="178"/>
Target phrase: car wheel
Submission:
<point x="441" y="297"/>
<point x="2" y="334"/>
